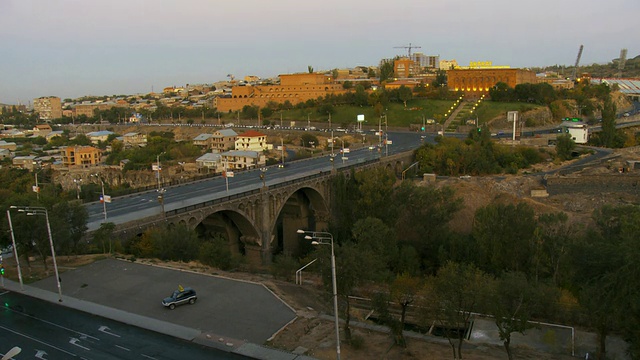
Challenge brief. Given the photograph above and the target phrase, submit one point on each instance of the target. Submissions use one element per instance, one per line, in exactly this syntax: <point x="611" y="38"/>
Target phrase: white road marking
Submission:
<point x="148" y="357"/>
<point x="38" y="341"/>
<point x="106" y="330"/>
<point x="74" y="341"/>
<point x="122" y="347"/>
<point x="56" y="325"/>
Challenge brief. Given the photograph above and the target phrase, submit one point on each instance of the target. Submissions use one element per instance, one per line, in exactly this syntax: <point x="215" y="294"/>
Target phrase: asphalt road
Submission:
<point x="227" y="308"/>
<point x="45" y="330"/>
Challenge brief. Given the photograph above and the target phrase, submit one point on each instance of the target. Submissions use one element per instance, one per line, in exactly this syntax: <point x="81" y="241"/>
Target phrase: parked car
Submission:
<point x="180" y="297"/>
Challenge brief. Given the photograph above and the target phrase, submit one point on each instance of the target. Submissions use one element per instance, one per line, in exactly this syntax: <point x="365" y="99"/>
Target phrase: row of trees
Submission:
<point x="394" y="246"/>
<point x="478" y="155"/>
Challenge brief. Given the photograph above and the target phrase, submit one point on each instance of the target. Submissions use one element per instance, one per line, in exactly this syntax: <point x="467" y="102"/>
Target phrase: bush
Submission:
<point x="357" y="342"/>
<point x="284" y="267"/>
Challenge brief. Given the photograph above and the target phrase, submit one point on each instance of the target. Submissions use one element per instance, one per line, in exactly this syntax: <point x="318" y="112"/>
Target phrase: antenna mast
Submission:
<point x="575" y="67"/>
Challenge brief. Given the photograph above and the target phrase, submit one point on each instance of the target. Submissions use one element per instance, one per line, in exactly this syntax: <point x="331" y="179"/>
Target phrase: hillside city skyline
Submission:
<point x="70" y="48"/>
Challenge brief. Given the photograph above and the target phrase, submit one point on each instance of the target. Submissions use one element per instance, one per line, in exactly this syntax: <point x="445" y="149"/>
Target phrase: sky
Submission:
<point x="73" y="48"/>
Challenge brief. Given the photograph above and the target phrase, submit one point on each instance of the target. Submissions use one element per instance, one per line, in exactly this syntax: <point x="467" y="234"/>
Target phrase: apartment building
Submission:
<point x="253" y="141"/>
<point x="84" y="156"/>
<point x="48" y="108"/>
<point x="294" y="88"/>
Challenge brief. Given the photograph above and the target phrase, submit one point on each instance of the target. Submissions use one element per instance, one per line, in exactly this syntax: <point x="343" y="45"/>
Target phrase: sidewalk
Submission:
<point x="234" y="346"/>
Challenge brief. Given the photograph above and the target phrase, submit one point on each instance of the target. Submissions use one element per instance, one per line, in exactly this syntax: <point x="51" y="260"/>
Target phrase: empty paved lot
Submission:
<point x="225" y="308"/>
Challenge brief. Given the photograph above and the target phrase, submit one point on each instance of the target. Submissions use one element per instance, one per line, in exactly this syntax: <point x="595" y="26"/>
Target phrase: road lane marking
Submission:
<point x="53" y="324"/>
<point x="38" y="341"/>
<point x="106" y="330"/>
<point x="122" y="347"/>
<point x="148" y="357"/>
<point x="74" y="341"/>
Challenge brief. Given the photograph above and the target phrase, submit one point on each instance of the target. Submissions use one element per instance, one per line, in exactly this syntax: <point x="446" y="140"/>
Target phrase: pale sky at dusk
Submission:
<point x="71" y="48"/>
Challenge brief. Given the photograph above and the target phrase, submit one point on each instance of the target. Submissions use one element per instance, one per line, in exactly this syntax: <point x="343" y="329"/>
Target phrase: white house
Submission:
<point x="242" y="160"/>
<point x="252" y="140"/>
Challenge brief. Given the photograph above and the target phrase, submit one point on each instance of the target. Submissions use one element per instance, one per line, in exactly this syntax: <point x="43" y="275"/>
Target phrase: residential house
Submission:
<point x="210" y="163"/>
<point x="42" y="130"/>
<point x="98" y="136"/>
<point x="84" y="156"/>
<point x="223" y="140"/>
<point x="242" y="159"/>
<point x="11" y="146"/>
<point x="252" y="141"/>
<point x="53" y="134"/>
<point x="203" y="140"/>
<point x="134" y="139"/>
<point x="5" y="153"/>
<point x="25" y="162"/>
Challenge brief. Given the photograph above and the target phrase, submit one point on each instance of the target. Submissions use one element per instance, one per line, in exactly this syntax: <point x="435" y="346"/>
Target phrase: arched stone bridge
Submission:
<point x="262" y="222"/>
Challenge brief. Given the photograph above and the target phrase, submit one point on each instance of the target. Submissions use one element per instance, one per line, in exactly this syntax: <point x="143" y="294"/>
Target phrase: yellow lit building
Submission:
<point x="84" y="156"/>
<point x="475" y="82"/>
<point x="295" y="88"/>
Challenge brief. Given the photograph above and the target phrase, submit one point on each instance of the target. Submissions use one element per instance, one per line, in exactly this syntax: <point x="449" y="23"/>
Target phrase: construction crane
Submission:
<point x="408" y="48"/>
<point x="622" y="61"/>
<point x="575" y="67"/>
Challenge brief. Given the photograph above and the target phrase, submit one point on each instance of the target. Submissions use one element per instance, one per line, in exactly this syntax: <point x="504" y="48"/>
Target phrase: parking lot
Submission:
<point x="225" y="308"/>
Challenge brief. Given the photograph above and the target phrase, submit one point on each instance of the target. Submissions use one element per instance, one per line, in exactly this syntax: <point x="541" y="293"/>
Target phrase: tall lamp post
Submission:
<point x="263" y="175"/>
<point x="104" y="198"/>
<point x="15" y="248"/>
<point x="35" y="211"/>
<point x="325" y="238"/>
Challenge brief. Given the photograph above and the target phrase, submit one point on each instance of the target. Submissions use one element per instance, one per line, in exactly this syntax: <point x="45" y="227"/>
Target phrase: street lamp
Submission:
<point x="103" y="198"/>
<point x="321" y="238"/>
<point x="77" y="182"/>
<point x="15" y="248"/>
<point x="35" y="211"/>
<point x="263" y="175"/>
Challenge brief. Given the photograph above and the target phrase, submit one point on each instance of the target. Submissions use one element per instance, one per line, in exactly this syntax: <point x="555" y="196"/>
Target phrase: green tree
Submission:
<point x="565" y="146"/>
<point x="512" y="303"/>
<point x="451" y="297"/>
<point x="402" y="291"/>
<point x="504" y="235"/>
<point x="103" y="236"/>
<point x="420" y="217"/>
<point x="386" y="70"/>
<point x="405" y="94"/>
<point x="603" y="261"/>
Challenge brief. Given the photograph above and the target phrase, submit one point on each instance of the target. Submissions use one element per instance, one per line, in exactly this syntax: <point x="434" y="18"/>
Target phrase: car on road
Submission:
<point x="180" y="297"/>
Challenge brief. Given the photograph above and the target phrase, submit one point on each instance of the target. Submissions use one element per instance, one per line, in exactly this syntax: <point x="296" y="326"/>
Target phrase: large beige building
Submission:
<point x="48" y="107"/>
<point x="295" y="88"/>
<point x="476" y="82"/>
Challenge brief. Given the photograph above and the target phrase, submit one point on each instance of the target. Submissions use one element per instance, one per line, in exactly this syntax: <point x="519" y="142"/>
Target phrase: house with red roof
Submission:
<point x="252" y="141"/>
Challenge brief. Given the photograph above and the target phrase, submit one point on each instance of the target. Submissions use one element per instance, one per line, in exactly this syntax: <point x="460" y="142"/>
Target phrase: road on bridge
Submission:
<point x="141" y="205"/>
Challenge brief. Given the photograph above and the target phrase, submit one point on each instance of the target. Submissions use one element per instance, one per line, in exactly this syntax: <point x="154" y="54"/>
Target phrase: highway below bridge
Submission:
<point x="258" y="217"/>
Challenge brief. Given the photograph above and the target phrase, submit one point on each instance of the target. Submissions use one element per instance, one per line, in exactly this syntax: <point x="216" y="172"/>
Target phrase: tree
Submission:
<point x="405" y="94"/>
<point x="603" y="262"/>
<point x="402" y="291"/>
<point x="420" y="216"/>
<point x="104" y="235"/>
<point x="451" y="297"/>
<point x="512" y="303"/>
<point x="386" y="70"/>
<point x="504" y="235"/>
<point x="565" y="146"/>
